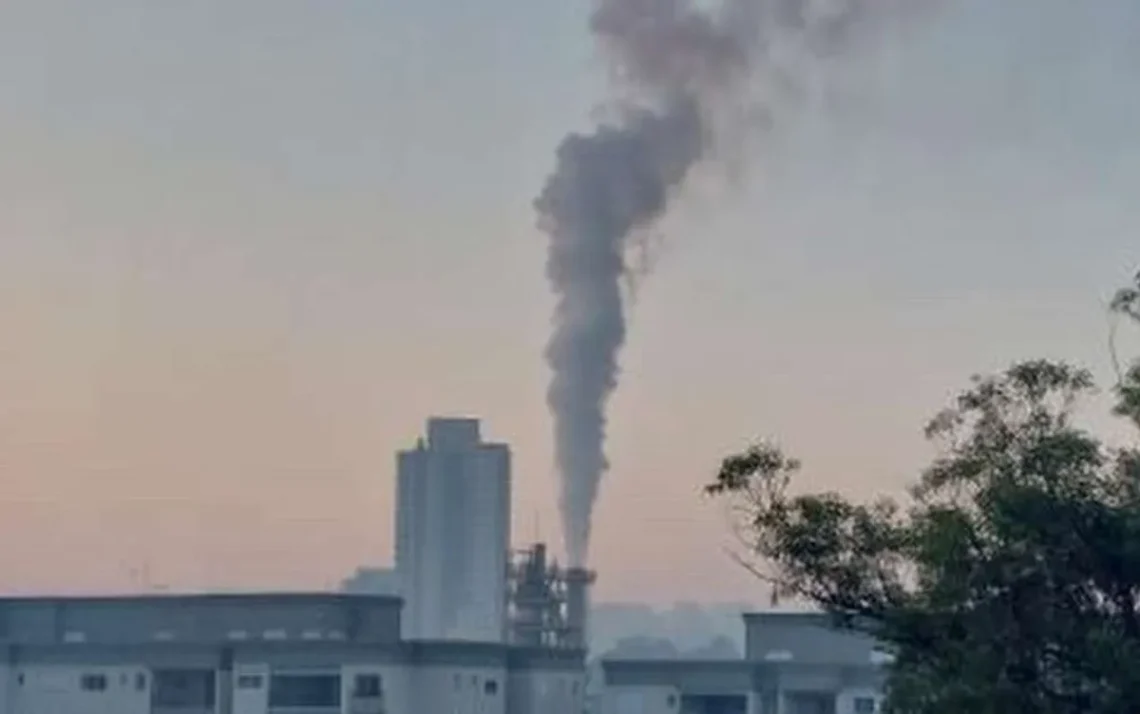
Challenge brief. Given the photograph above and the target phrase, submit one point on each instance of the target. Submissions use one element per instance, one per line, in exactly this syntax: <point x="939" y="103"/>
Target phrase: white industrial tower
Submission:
<point x="453" y="513"/>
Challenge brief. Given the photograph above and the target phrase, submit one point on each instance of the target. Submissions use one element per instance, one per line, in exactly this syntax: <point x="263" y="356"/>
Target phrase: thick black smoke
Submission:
<point x="678" y="67"/>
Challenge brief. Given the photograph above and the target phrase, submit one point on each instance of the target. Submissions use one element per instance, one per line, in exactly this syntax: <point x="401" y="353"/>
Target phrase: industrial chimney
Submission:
<point x="548" y="605"/>
<point x="578" y="582"/>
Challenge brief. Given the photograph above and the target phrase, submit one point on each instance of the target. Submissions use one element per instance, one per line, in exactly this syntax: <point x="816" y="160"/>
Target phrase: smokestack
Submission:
<point x="578" y="583"/>
<point x="682" y="72"/>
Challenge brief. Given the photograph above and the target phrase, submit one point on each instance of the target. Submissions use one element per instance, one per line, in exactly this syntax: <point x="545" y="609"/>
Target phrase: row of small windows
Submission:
<point x="196" y="688"/>
<point x="169" y="688"/>
<point x="98" y="682"/>
<point x="76" y="637"/>
<point x="312" y="690"/>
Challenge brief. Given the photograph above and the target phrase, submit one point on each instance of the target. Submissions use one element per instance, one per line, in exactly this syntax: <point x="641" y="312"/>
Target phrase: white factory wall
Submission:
<point x="484" y="616"/>
<point x="849" y="700"/>
<point x="411" y="570"/>
<point x="755" y="704"/>
<point x="5" y="688"/>
<point x="420" y="690"/>
<point x="546" y="692"/>
<point x="453" y="534"/>
<point x="648" y="699"/>
<point x="395" y="684"/>
<point x="459" y="690"/>
<point x="251" y="688"/>
<point x="60" y="690"/>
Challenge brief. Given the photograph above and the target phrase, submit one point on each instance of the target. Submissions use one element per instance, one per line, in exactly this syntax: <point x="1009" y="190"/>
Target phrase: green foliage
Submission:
<point x="1008" y="581"/>
<point x="1127" y="303"/>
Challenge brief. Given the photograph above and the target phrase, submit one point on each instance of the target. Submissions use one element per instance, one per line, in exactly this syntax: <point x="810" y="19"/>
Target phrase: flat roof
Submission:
<point x="289" y="627"/>
<point x="177" y="597"/>
<point x="690" y="676"/>
<point x="295" y="653"/>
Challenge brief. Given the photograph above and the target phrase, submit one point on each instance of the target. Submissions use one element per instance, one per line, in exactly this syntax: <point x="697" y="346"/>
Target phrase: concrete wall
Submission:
<point x="58" y="689"/>
<point x="5" y="683"/>
<point x="426" y="689"/>
<point x="251" y="688"/>
<point x="489" y="508"/>
<point x="546" y="692"/>
<point x="650" y="699"/>
<point x="845" y="702"/>
<point x="458" y="690"/>
<point x="453" y="534"/>
<point x="395" y="683"/>
<point x="796" y="663"/>
<point x="806" y="637"/>
<point x="49" y="645"/>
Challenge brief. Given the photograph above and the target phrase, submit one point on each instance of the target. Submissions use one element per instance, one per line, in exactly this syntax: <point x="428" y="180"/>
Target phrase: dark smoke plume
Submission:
<point x="679" y="67"/>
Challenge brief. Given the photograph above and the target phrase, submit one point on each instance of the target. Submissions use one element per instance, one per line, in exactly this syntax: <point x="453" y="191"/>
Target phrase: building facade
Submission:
<point x="453" y="505"/>
<point x="262" y="654"/>
<point x="794" y="663"/>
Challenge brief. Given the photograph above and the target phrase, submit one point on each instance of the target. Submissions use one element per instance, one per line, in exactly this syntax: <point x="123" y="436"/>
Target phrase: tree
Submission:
<point x="1009" y="578"/>
<point x="1126" y="303"/>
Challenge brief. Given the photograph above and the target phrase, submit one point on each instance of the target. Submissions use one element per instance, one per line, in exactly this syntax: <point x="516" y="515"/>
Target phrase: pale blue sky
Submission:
<point x="247" y="246"/>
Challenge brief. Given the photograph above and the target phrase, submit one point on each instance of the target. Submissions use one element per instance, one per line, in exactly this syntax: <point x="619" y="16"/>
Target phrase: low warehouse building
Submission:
<point x="262" y="654"/>
<point x="794" y="663"/>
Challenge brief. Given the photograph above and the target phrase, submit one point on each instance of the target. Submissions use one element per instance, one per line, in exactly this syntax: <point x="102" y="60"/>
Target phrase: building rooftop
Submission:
<point x="200" y="618"/>
<point x="268" y="627"/>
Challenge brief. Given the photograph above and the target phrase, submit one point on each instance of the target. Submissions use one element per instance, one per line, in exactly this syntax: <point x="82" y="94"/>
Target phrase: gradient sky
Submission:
<point x="247" y="247"/>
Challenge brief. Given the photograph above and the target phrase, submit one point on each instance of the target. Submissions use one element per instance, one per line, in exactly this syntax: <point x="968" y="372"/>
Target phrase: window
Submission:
<point x="183" y="689"/>
<point x="249" y="681"/>
<point x="367" y="686"/>
<point x="671" y="701"/>
<point x="140" y="682"/>
<point x="93" y="683"/>
<point x="315" y="691"/>
<point x="864" y="705"/>
<point x="490" y="687"/>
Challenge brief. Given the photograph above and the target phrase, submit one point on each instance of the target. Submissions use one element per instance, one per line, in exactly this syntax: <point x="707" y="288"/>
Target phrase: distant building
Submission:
<point x="372" y="581"/>
<point x="794" y="663"/>
<point x="262" y="654"/>
<point x="453" y="506"/>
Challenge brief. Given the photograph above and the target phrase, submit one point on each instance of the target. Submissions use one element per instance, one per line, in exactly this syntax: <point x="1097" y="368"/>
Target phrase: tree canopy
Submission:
<point x="1008" y="579"/>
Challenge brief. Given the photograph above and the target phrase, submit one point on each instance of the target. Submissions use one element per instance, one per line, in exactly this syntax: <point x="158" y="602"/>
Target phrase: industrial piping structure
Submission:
<point x="548" y="606"/>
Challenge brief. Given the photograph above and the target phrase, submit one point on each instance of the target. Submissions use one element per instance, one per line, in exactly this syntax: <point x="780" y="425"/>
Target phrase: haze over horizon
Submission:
<point x="246" y="249"/>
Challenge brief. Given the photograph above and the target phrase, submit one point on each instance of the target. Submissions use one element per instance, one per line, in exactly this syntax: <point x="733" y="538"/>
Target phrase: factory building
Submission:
<point x="456" y="628"/>
<point x="262" y="654"/>
<point x="794" y="663"/>
<point x="453" y="514"/>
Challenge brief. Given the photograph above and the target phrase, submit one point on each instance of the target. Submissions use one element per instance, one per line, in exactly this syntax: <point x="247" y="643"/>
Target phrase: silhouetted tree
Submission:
<point x="1008" y="580"/>
<point x="1126" y="303"/>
